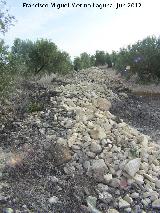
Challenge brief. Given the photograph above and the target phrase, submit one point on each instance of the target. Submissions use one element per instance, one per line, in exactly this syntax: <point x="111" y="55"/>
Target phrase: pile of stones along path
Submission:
<point x="74" y="155"/>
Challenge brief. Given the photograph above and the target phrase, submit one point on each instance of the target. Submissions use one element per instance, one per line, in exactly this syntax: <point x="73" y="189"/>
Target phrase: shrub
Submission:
<point x="102" y="58"/>
<point x="83" y="62"/>
<point x="6" y="75"/>
<point x="42" y="55"/>
<point x="34" y="107"/>
<point x="143" y="57"/>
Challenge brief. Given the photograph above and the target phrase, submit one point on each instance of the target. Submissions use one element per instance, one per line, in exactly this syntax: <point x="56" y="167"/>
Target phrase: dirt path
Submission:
<point x="141" y="112"/>
<point x="141" y="108"/>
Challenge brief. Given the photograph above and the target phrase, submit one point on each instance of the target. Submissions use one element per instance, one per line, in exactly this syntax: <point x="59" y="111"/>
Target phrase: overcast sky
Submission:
<point x="76" y="30"/>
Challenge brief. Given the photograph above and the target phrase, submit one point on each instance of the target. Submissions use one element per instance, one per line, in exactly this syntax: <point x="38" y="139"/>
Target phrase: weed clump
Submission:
<point x="34" y="107"/>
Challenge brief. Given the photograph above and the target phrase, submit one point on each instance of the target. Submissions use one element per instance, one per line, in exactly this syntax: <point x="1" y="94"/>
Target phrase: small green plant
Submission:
<point x="134" y="152"/>
<point x="35" y="107"/>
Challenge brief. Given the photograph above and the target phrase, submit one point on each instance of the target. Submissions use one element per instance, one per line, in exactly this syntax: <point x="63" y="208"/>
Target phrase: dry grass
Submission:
<point x="46" y="79"/>
<point x="148" y="89"/>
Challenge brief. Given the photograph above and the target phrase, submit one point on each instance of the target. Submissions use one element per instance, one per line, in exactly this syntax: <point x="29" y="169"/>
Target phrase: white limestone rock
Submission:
<point x="133" y="166"/>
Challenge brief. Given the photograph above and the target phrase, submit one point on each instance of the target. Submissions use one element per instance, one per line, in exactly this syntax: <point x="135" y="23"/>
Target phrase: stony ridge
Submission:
<point x="75" y="156"/>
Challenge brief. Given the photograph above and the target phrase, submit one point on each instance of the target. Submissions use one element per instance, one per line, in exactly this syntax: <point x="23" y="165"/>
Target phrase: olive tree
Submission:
<point x="41" y="55"/>
<point x="6" y="20"/>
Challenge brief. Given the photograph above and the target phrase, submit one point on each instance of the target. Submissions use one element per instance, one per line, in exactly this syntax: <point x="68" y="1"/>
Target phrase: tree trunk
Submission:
<point x="38" y="70"/>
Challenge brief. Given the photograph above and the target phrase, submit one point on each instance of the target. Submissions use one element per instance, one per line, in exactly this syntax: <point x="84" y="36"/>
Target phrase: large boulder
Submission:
<point x="103" y="104"/>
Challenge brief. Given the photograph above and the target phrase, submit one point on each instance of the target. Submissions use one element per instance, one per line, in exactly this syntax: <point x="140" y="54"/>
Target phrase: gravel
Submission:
<point x="65" y="149"/>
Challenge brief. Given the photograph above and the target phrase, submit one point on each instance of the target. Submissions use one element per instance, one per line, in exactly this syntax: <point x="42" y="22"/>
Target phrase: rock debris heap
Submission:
<point x="123" y="163"/>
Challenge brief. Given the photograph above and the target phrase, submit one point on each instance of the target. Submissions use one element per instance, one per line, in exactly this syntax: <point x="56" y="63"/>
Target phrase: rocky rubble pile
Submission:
<point x="124" y="162"/>
<point x="121" y="165"/>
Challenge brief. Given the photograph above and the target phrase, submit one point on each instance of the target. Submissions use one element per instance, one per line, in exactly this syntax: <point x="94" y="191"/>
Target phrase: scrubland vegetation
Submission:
<point x="143" y="57"/>
<point x="30" y="58"/>
<point x="76" y="143"/>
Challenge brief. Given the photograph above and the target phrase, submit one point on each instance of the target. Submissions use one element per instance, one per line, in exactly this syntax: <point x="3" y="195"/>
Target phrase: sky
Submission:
<point x="78" y="30"/>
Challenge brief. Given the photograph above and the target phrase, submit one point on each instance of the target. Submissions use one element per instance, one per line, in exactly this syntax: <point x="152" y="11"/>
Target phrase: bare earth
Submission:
<point x="141" y="108"/>
<point x="61" y="151"/>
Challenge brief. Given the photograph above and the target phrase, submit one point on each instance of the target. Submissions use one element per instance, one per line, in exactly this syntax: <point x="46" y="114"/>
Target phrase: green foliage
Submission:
<point x="28" y="58"/>
<point x="34" y="107"/>
<point x="108" y="60"/>
<point x="6" y="79"/>
<point x="143" y="57"/>
<point x="41" y="55"/>
<point x="102" y="58"/>
<point x="6" y="20"/>
<point x="62" y="63"/>
<point x="3" y="55"/>
<point x="134" y="152"/>
<point x="83" y="62"/>
<point x="93" y="60"/>
<point x="77" y="63"/>
<point x="113" y="57"/>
